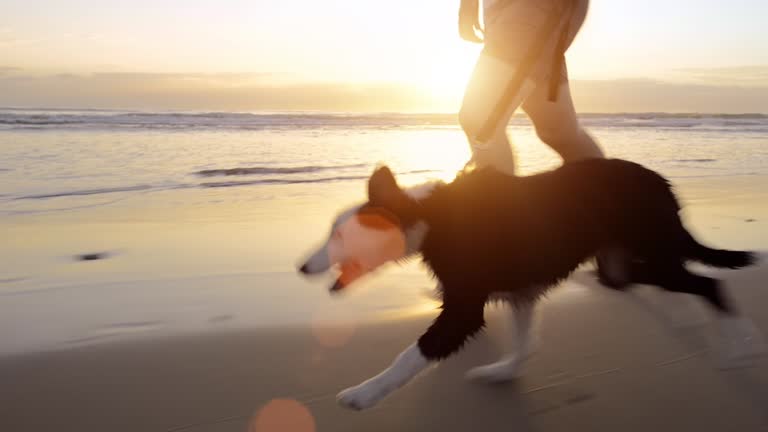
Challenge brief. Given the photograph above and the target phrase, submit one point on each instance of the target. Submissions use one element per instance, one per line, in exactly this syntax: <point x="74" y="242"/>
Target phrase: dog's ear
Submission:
<point x="384" y="192"/>
<point x="383" y="189"/>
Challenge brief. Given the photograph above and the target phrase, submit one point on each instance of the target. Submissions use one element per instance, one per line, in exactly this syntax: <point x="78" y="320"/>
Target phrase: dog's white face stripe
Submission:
<point x="327" y="255"/>
<point x="320" y="261"/>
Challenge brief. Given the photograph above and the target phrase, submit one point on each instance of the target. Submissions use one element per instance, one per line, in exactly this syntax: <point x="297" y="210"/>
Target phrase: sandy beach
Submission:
<point x="607" y="361"/>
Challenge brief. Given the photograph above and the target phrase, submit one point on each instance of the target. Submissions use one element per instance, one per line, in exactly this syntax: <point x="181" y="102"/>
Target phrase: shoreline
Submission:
<point x="178" y="268"/>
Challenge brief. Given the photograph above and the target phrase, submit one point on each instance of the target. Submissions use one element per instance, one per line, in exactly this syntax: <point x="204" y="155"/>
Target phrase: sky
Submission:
<point x="359" y="55"/>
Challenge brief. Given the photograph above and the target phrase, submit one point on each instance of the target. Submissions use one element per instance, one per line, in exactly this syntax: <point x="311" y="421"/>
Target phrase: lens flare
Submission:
<point x="330" y="332"/>
<point x="283" y="415"/>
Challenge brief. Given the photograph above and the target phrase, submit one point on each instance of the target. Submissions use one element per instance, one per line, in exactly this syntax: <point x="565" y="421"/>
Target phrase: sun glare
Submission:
<point x="442" y="153"/>
<point x="445" y="79"/>
<point x="442" y="75"/>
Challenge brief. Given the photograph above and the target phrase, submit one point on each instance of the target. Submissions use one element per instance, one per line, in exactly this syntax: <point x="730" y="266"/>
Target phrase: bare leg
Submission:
<point x="480" y="99"/>
<point x="520" y="321"/>
<point x="512" y="31"/>
<point x="558" y="126"/>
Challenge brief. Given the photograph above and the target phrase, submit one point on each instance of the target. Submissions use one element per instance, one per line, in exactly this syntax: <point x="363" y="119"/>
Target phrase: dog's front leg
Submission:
<point x="520" y="321"/>
<point x="406" y="366"/>
<point x="446" y="336"/>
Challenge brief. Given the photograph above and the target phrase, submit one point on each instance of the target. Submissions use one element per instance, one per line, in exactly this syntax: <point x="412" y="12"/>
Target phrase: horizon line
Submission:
<point x="359" y="112"/>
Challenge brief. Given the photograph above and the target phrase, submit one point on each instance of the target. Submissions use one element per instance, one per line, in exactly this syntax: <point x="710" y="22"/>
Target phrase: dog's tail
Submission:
<point x="718" y="257"/>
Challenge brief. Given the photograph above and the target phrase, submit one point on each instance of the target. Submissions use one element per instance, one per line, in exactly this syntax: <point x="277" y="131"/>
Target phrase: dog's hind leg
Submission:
<point x="520" y="324"/>
<point x="672" y="276"/>
<point x="613" y="267"/>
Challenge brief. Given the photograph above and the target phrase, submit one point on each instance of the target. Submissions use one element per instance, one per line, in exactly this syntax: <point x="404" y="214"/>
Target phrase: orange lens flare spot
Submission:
<point x="330" y="332"/>
<point x="282" y="415"/>
<point x="377" y="220"/>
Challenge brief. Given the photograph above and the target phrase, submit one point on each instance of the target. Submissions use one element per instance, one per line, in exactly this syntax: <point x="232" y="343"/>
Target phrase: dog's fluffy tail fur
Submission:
<point x="719" y="257"/>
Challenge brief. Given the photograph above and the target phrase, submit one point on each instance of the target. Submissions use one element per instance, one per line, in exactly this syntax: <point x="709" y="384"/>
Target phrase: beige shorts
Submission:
<point x="512" y="27"/>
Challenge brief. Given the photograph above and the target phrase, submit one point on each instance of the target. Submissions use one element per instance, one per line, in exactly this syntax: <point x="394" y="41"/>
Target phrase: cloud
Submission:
<point x="201" y="91"/>
<point x="8" y="37"/>
<point x="749" y="76"/>
<point x="661" y="96"/>
<point x="147" y="76"/>
<point x="6" y="70"/>
<point x="259" y="91"/>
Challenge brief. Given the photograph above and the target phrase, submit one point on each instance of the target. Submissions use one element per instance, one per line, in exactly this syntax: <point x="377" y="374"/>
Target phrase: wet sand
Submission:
<point x="607" y="361"/>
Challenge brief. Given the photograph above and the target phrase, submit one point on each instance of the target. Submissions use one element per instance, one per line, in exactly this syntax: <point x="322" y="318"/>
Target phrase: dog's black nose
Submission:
<point x="304" y="269"/>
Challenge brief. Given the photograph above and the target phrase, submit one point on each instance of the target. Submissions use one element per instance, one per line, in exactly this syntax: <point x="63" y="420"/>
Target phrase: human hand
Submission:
<point x="469" y="21"/>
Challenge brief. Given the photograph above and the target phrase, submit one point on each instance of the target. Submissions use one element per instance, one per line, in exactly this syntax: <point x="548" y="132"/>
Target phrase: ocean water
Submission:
<point x="203" y="217"/>
<point x="51" y="159"/>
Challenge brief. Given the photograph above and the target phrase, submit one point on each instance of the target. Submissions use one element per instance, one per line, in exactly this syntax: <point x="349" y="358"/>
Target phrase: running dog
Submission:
<point x="488" y="235"/>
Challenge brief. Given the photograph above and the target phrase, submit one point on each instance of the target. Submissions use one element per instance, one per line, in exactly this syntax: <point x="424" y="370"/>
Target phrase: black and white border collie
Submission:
<point x="487" y="235"/>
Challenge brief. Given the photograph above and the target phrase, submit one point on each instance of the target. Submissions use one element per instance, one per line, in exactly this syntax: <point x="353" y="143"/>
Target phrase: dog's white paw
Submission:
<point x="362" y="396"/>
<point x="499" y="372"/>
<point x="741" y="343"/>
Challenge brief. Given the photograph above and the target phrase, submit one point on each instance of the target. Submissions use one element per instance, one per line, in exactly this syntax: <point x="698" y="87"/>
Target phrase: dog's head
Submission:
<point x="367" y="236"/>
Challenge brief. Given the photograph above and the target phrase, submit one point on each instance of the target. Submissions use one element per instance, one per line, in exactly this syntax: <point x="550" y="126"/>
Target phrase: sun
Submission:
<point x="442" y="75"/>
<point x="448" y="75"/>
